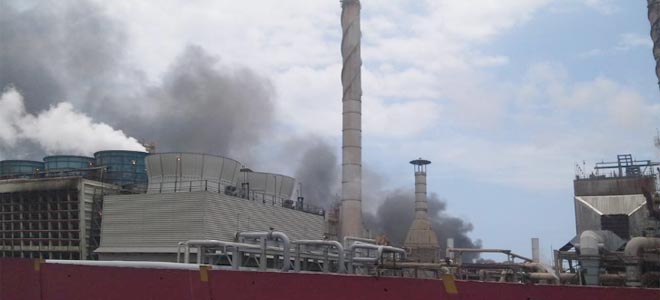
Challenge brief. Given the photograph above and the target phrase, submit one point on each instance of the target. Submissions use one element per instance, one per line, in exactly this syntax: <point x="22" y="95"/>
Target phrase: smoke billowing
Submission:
<point x="69" y="61"/>
<point x="394" y="216"/>
<point x="59" y="129"/>
<point x="55" y="51"/>
<point x="318" y="171"/>
<point x="207" y="107"/>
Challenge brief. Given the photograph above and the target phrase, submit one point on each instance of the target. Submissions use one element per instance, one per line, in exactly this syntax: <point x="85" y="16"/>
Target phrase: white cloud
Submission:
<point x="606" y="7"/>
<point x="632" y="40"/>
<point x="627" y="42"/>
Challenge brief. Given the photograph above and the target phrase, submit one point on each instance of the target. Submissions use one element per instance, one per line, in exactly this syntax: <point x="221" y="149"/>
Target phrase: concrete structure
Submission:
<point x="654" y="19"/>
<point x="56" y="218"/>
<point x="149" y="226"/>
<point x="421" y="240"/>
<point x="351" y="184"/>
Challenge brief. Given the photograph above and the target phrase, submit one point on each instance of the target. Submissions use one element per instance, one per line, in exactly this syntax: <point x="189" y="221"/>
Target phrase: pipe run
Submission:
<point x="380" y="250"/>
<point x="460" y="251"/>
<point x="633" y="256"/>
<point x="201" y="244"/>
<point x="324" y="243"/>
<point x="348" y="239"/>
<point x="265" y="236"/>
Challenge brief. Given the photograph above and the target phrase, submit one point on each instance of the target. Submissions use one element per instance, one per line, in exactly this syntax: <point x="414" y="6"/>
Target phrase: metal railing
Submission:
<point x="230" y="190"/>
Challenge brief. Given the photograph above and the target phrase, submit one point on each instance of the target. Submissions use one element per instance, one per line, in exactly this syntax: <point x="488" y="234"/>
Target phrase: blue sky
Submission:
<point x="504" y="97"/>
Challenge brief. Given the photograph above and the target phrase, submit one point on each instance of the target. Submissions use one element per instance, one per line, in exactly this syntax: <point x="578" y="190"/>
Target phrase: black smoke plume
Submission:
<point x="394" y="216"/>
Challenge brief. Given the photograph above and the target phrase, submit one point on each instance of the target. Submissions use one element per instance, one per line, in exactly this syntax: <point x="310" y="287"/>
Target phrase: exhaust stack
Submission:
<point x="351" y="183"/>
<point x="654" y="19"/>
<point x="421" y="240"/>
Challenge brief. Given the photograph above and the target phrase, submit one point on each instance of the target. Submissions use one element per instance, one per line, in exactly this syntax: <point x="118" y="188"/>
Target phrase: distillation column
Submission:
<point x="351" y="184"/>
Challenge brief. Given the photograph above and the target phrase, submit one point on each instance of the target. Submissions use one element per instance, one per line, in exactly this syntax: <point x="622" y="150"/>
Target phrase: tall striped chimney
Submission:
<point x="351" y="182"/>
<point x="654" y="18"/>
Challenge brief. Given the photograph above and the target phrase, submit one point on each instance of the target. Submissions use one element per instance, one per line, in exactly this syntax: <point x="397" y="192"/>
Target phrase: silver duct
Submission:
<point x="351" y="183"/>
<point x="633" y="253"/>
<point x="654" y="18"/>
<point x="590" y="242"/>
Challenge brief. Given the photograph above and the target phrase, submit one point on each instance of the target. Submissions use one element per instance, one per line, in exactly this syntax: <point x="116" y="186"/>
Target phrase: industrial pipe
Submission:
<point x="633" y="253"/>
<point x="348" y="239"/>
<point x="212" y="243"/>
<point x="590" y="242"/>
<point x="380" y="249"/>
<point x="326" y="243"/>
<point x="449" y="251"/>
<point x="271" y="235"/>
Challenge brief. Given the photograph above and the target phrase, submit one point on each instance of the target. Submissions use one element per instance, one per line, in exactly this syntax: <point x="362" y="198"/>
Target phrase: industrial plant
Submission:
<point x="174" y="219"/>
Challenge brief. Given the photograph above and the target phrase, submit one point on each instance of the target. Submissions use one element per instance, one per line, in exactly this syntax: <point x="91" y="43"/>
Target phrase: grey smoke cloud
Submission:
<point x="204" y="106"/>
<point x="55" y="51"/>
<point x="394" y="216"/>
<point x="318" y="171"/>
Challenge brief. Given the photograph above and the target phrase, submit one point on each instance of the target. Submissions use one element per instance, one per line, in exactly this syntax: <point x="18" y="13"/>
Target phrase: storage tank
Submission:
<point x="58" y="163"/>
<point x="19" y="168"/>
<point x="124" y="168"/>
<point x="185" y="172"/>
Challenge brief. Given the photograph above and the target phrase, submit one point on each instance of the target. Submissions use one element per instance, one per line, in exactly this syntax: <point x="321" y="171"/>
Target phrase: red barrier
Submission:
<point x="20" y="280"/>
<point x="68" y="282"/>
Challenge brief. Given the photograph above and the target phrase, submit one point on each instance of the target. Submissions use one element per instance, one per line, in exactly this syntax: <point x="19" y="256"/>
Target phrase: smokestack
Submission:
<point x="536" y="254"/>
<point x="421" y="239"/>
<point x="421" y="206"/>
<point x="351" y="183"/>
<point x="654" y="18"/>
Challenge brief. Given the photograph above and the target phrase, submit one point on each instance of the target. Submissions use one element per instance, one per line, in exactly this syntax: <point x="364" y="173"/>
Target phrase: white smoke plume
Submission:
<point x="58" y="129"/>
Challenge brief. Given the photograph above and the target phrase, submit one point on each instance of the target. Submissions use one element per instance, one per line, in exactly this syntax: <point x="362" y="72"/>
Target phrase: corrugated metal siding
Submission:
<point x="162" y="220"/>
<point x="612" y="205"/>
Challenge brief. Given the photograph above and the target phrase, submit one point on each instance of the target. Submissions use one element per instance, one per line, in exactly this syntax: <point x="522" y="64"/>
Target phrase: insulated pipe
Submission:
<point x="178" y="251"/>
<point x="351" y="80"/>
<point x="209" y="243"/>
<point x="449" y="251"/>
<point x="348" y="239"/>
<point x="589" y="256"/>
<point x="327" y="243"/>
<point x="271" y="235"/>
<point x="633" y="252"/>
<point x="380" y="249"/>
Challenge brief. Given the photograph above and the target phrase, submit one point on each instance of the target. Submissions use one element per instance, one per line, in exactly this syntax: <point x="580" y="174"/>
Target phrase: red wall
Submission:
<point x="19" y="280"/>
